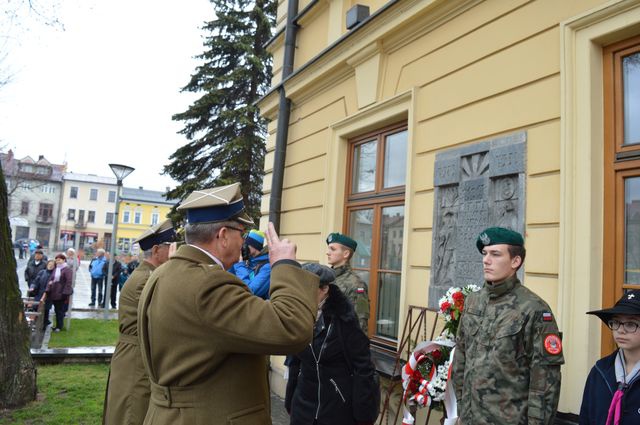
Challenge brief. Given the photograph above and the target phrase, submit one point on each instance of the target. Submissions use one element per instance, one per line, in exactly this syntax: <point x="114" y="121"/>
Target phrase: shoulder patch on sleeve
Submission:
<point x="553" y="344"/>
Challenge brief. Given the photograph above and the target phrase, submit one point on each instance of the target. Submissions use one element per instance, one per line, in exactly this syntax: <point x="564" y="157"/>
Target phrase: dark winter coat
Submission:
<point x="333" y="389"/>
<point x="39" y="285"/>
<point x="60" y="290"/>
<point x="598" y="393"/>
<point x="33" y="269"/>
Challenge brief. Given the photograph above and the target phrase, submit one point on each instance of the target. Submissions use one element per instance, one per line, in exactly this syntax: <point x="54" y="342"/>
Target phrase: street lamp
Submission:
<point x="120" y="171"/>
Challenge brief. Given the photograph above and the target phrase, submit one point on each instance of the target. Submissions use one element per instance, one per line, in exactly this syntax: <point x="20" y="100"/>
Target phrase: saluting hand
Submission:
<point x="279" y="249"/>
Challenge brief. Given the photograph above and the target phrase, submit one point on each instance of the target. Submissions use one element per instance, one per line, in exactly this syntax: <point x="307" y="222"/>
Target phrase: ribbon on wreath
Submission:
<point x="421" y="396"/>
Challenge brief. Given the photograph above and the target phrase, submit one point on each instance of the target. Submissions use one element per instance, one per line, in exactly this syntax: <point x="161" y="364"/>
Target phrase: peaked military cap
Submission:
<point x="156" y="235"/>
<point x="216" y="204"/>
<point x="342" y="240"/>
<point x="498" y="235"/>
<point x="628" y="304"/>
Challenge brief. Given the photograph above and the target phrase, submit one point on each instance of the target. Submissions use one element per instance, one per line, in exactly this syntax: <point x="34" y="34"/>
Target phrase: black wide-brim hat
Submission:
<point x="628" y="304"/>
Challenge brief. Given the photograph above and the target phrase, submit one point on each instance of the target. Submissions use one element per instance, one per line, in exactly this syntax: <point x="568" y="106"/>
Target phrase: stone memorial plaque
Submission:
<point x="476" y="186"/>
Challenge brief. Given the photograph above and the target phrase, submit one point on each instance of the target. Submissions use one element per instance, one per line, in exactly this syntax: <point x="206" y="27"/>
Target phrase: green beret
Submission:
<point x="498" y="235"/>
<point x="342" y="240"/>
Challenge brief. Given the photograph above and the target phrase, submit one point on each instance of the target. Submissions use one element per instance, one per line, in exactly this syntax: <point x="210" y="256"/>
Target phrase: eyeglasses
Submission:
<point x="630" y="327"/>
<point x="235" y="228"/>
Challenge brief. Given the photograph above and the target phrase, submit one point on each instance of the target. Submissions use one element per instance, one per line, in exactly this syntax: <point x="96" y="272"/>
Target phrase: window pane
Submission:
<point x="112" y="196"/>
<point x="395" y="159"/>
<point x="631" y="96"/>
<point x="360" y="229"/>
<point x="93" y="195"/>
<point x="391" y="237"/>
<point x="388" y="305"/>
<point x="632" y="231"/>
<point x="364" y="167"/>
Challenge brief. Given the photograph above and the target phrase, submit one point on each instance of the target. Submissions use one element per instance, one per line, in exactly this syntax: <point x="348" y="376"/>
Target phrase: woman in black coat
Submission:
<point x="39" y="284"/>
<point x="332" y="381"/>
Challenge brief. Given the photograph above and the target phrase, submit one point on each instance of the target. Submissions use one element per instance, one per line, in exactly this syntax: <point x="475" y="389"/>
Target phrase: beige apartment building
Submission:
<point x="87" y="211"/>
<point x="429" y="119"/>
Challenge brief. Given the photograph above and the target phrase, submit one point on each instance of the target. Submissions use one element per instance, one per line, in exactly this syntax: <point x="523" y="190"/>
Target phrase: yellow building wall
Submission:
<point x="487" y="69"/>
<point x="131" y="230"/>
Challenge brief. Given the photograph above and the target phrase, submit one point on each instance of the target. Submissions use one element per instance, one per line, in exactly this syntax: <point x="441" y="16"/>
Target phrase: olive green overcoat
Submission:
<point x="204" y="338"/>
<point x="127" y="397"/>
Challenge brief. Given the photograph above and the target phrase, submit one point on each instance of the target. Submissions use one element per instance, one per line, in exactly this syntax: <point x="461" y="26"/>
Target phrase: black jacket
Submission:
<point x="598" y="393"/>
<point x="39" y="284"/>
<point x="332" y="380"/>
<point x="32" y="270"/>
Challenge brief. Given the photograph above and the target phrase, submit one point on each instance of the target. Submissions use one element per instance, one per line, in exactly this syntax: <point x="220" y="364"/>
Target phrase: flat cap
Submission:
<point x="326" y="274"/>
<point x="498" y="235"/>
<point x="156" y="235"/>
<point x="342" y="240"/>
<point x="216" y="204"/>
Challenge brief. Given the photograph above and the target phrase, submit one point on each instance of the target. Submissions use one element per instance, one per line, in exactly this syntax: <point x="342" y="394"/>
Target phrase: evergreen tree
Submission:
<point x="225" y="131"/>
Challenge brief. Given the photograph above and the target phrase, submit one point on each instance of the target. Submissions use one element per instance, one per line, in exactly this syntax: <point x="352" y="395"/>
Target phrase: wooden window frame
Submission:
<point x="376" y="199"/>
<point x="620" y="162"/>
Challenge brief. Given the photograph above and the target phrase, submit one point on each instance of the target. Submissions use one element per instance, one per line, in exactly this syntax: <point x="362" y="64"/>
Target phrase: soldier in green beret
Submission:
<point x="127" y="395"/>
<point x="340" y="249"/>
<point x="506" y="367"/>
<point x="204" y="337"/>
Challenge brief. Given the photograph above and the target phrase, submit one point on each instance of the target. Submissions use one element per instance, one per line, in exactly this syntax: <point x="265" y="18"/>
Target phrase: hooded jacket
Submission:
<point x="256" y="273"/>
<point x="324" y="385"/>
<point x="598" y="393"/>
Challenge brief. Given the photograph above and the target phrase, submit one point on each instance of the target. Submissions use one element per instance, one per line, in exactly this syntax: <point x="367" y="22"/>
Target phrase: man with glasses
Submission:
<point x="506" y="367"/>
<point x="612" y="392"/>
<point x="127" y="395"/>
<point x="204" y="336"/>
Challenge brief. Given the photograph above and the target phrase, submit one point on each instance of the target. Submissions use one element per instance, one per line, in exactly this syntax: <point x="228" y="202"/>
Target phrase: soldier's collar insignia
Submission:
<point x="485" y="239"/>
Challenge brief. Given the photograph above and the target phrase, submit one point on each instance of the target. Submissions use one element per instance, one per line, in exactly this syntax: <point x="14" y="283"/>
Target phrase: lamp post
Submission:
<point x="120" y="171"/>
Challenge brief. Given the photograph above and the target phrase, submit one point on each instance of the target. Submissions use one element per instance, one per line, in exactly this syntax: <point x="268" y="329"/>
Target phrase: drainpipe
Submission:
<point x="284" y="112"/>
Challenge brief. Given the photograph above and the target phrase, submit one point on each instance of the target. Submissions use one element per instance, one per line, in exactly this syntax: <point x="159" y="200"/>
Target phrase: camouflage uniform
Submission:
<point x="506" y="368"/>
<point x="356" y="291"/>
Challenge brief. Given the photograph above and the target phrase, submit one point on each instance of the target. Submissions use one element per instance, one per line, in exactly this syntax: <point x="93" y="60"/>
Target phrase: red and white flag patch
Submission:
<point x="547" y="317"/>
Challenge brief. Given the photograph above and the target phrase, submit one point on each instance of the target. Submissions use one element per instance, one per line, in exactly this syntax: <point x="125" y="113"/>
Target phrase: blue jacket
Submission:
<point x="598" y="393"/>
<point x="256" y="274"/>
<point x="96" y="267"/>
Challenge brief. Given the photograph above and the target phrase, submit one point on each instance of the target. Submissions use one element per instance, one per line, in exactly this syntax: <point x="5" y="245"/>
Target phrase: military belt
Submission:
<point x="129" y="339"/>
<point x="170" y="396"/>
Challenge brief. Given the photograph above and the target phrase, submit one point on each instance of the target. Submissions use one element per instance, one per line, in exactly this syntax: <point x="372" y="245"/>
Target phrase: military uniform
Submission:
<point x="356" y="291"/>
<point x="506" y="367"/>
<point x="204" y="338"/>
<point x="128" y="390"/>
<point x="127" y="395"/>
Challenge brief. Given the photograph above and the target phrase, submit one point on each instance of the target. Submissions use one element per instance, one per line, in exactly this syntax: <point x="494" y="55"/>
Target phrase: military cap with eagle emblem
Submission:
<point x="498" y="235"/>
<point x="217" y="204"/>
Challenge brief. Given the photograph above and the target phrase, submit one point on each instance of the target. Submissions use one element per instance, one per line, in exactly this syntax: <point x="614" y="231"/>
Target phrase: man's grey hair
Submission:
<point x="204" y="233"/>
<point x="146" y="254"/>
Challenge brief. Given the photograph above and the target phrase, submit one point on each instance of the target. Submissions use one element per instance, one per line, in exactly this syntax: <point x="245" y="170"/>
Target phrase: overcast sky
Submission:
<point x="103" y="88"/>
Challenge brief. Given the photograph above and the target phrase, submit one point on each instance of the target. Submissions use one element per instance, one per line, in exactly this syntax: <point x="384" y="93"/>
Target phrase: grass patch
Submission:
<point x="67" y="394"/>
<point x="86" y="333"/>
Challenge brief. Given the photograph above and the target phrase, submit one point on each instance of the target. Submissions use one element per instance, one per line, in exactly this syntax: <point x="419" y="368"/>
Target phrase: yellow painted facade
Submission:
<point x="139" y="210"/>
<point x="458" y="72"/>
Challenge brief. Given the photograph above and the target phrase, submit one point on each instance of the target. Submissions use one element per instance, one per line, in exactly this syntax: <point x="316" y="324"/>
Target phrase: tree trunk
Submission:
<point x="17" y="370"/>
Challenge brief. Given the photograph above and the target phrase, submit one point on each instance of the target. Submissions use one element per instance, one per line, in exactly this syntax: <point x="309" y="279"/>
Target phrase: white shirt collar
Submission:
<point x="209" y="254"/>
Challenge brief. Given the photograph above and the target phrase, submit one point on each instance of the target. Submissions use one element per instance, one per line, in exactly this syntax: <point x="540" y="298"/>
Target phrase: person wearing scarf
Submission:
<point x="59" y="288"/>
<point x="612" y="392"/>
